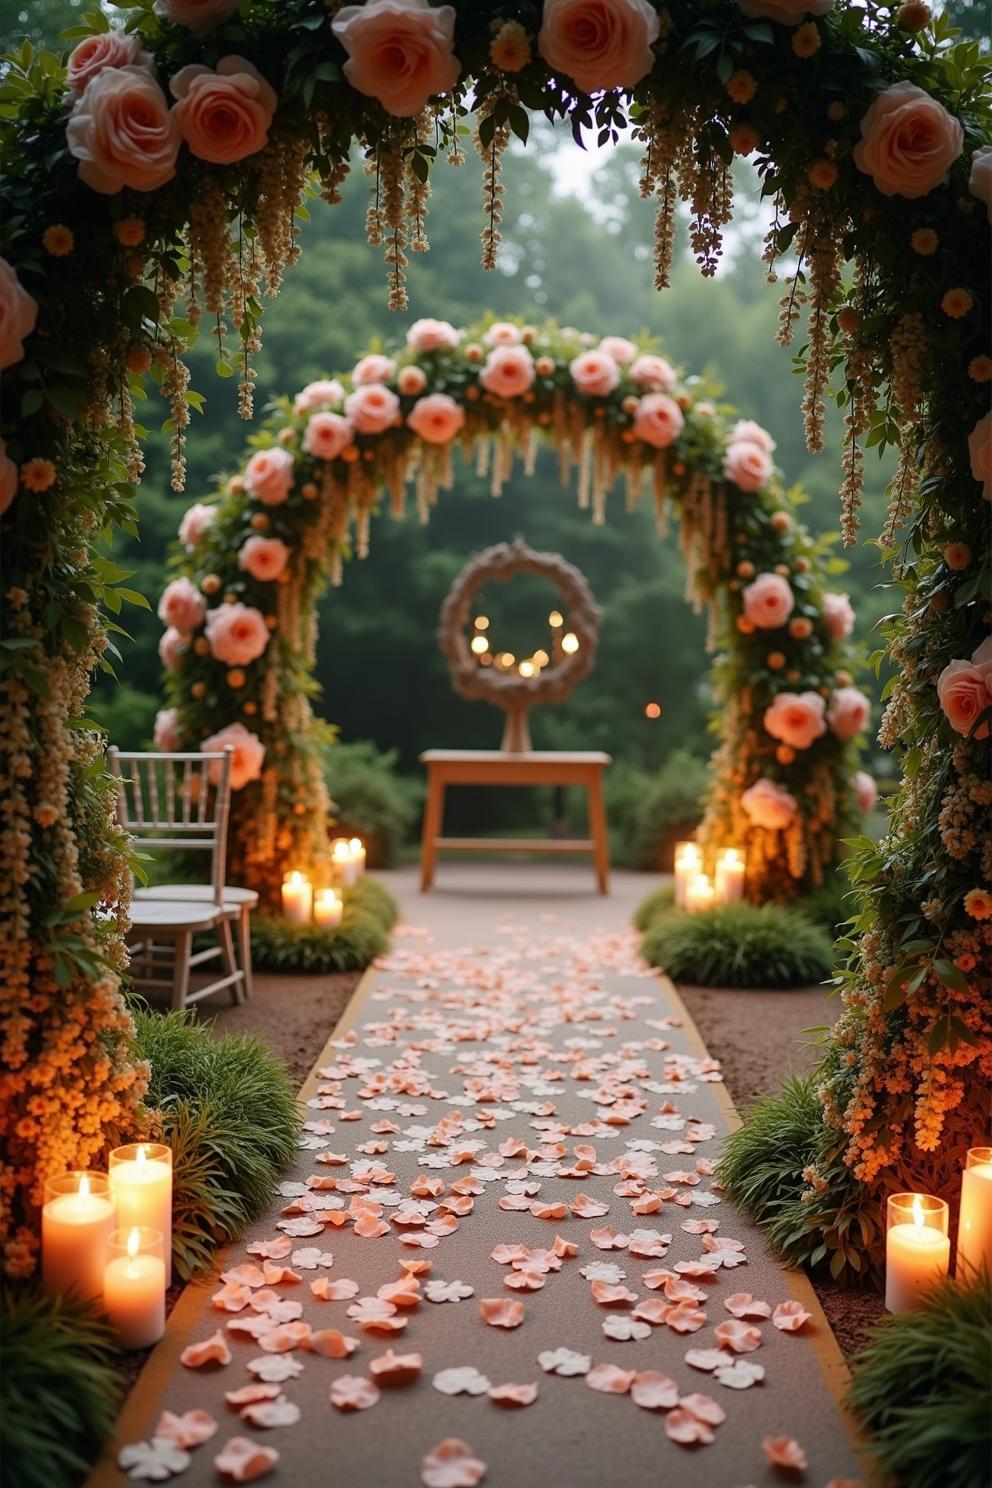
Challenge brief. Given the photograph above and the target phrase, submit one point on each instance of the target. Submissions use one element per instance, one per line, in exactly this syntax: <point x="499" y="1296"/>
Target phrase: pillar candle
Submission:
<point x="134" y="1287"/>
<point x="975" y="1218"/>
<point x="327" y="909"/>
<point x="76" y="1223"/>
<point x="729" y="877"/>
<point x="141" y="1188"/>
<point x="345" y="867"/>
<point x="688" y="862"/>
<point x="358" y="855"/>
<point x="917" y="1250"/>
<point x="699" y="893"/>
<point x="297" y="898"/>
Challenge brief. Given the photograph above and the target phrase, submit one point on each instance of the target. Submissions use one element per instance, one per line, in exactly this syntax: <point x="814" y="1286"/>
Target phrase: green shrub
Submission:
<point x="650" y="811"/>
<point x="369" y="914"/>
<point x="651" y="907"/>
<point x="370" y="800"/>
<point x="922" y="1388"/>
<point x="59" y="1389"/>
<point x="831" y="905"/>
<point x="739" y="945"/>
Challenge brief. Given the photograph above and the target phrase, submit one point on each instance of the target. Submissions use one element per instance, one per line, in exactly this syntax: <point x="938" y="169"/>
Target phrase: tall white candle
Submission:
<point x="688" y="862"/>
<point x="729" y="876"/>
<point x="327" y="909"/>
<point x="917" y="1250"/>
<point x="141" y="1188"/>
<point x="76" y="1223"/>
<point x="975" y="1216"/>
<point x="297" y="898"/>
<point x="345" y="866"/>
<point x="357" y="847"/>
<point x="699" y="893"/>
<point x="134" y="1287"/>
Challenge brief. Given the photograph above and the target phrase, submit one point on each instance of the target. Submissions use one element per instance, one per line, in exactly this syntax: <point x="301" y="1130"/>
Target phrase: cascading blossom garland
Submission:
<point x="163" y="167"/>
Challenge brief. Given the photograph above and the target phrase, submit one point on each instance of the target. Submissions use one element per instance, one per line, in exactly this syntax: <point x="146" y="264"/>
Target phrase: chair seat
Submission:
<point x="175" y="914"/>
<point x="233" y="898"/>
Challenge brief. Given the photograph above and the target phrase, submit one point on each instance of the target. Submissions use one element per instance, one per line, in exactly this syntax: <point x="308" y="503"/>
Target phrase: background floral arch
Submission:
<point x="870" y="129"/>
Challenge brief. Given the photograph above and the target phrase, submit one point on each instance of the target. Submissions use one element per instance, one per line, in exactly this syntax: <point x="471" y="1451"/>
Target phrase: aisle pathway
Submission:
<point x="514" y="1102"/>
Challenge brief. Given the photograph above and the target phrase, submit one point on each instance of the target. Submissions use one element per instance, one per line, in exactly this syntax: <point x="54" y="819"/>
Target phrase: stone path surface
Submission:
<point x="515" y="1101"/>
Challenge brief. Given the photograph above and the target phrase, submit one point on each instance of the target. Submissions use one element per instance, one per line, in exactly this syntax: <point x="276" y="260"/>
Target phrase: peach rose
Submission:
<point x="224" y="114"/>
<point x="979" y="450"/>
<point x="436" y="419"/>
<point x="620" y="349"/>
<point x="432" y="335"/>
<point x="768" y="602"/>
<point x="8" y="478"/>
<point x="908" y="142"/>
<point x="769" y="805"/>
<point x="748" y="431"/>
<point x="263" y="557"/>
<point x="599" y="44"/>
<point x="503" y="333"/>
<point x="372" y="408"/>
<point x="849" y="712"/>
<point x="109" y="49"/>
<point x="237" y="634"/>
<point x="122" y="132"/>
<point x="594" y="373"/>
<point x="796" y="719"/>
<point x="965" y="692"/>
<point x="373" y="368"/>
<point x="747" y="464"/>
<point x="166" y="735"/>
<point x="658" y="420"/>
<point x="18" y="315"/>
<point x="198" y="519"/>
<point x="838" y="616"/>
<point x="172" y="648"/>
<point x="410" y="381"/>
<point x="508" y="372"/>
<point x="327" y="435"/>
<point x="653" y="373"/>
<point x="399" y="51"/>
<point x="198" y="16"/>
<point x="786" y="12"/>
<point x="182" y="605"/>
<point x="269" y="476"/>
<point x="980" y="178"/>
<point x="865" y="790"/>
<point x="249" y="752"/>
<point x="324" y="393"/>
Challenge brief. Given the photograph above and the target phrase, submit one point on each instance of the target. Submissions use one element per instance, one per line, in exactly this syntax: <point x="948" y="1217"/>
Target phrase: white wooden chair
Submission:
<point x="169" y="801"/>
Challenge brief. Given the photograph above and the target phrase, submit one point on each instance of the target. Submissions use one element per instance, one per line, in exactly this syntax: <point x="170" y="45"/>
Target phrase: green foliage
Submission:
<point x="59" y="1388"/>
<point x="739" y="945"/>
<point x="370" y="800"/>
<point x="830" y="906"/>
<point x="649" y="813"/>
<point x="922" y="1388"/>
<point x="369" y="914"/>
<point x="656" y="903"/>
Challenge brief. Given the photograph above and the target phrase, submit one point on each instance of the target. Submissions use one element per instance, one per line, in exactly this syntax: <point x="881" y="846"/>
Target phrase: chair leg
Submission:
<point x="433" y="820"/>
<point x="229" y="961"/>
<point x="182" y="947"/>
<point x="244" y="949"/>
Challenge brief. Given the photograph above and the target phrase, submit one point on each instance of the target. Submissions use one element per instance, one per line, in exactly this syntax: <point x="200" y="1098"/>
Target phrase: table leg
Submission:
<point x="598" y="832"/>
<point x="433" y="817"/>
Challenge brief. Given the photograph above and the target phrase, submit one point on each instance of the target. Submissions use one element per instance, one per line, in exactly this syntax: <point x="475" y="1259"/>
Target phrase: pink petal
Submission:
<point x="451" y="1465"/>
<point x="683" y="1427"/>
<point x="212" y="1350"/>
<point x="188" y="1430"/>
<point x="501" y="1312"/>
<point x="654" y="1391"/>
<point x="243" y="1461"/>
<point x="353" y="1392"/>
<point x="785" y="1452"/>
<point x="513" y="1395"/>
<point x="610" y="1380"/>
<point x="396" y="1369"/>
<point x="790" y="1316"/>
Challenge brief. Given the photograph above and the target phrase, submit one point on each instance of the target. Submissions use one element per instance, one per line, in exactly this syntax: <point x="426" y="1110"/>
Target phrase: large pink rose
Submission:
<point x="594" y="373"/>
<point x="172" y="648"/>
<point x="769" y="805"/>
<point x="908" y="142"/>
<point x="237" y="634"/>
<point x="503" y="333"/>
<point x="269" y="475"/>
<point x="838" y="616"/>
<point x="432" y="335"/>
<point x="653" y="373"/>
<point x="865" y="790"/>
<point x="198" y="16"/>
<point x="182" y="606"/>
<point x="122" y="132"/>
<point x="964" y="691"/>
<point x="263" y="557"/>
<point x="509" y="371"/>
<point x="796" y="719"/>
<point x="108" y="49"/>
<point x="979" y="450"/>
<point x="166" y="733"/>
<point x="980" y="178"/>
<point x="399" y="51"/>
<point x="373" y="368"/>
<point x="18" y="314"/>
<point x="249" y="752"/>
<point x="326" y="392"/>
<point x="658" y="420"/>
<point x="620" y="349"/>
<point x="8" y="478"/>
<point x="849" y="712"/>
<point x="197" y="521"/>
<point x="224" y="115"/>
<point x="787" y="12"/>
<point x="372" y="408"/>
<point x="747" y="464"/>
<point x="768" y="602"/>
<point x="327" y="435"/>
<point x="748" y="431"/>
<point x="437" y="418"/>
<point x="599" y="44"/>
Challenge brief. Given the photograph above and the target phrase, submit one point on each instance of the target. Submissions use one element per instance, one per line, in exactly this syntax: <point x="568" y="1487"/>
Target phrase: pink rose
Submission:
<point x="658" y="420"/>
<point x="768" y="602"/>
<point x="269" y="475"/>
<point x="327" y="435"/>
<point x="965" y="692"/>
<point x="746" y="430"/>
<point x="122" y="132"/>
<point x="172" y="648"/>
<point x="373" y="368"/>
<point x="849" y="712"/>
<point x="436" y="419"/>
<point x="653" y="374"/>
<point x="410" y="381"/>
<point x="109" y="49"/>
<point x="796" y="719"/>
<point x="620" y="349"/>
<point x="908" y="142"/>
<point x="8" y="478"/>
<point x="372" y="408"/>
<point x="503" y="333"/>
<point x="18" y="314"/>
<point x="198" y="519"/>
<point x="747" y="465"/>
<point x="166" y="734"/>
<point x="431" y="335"/>
<point x="182" y="605"/>
<point x="198" y="16"/>
<point x="509" y="371"/>
<point x="865" y="790"/>
<point x="321" y="394"/>
<point x="263" y="557"/>
<point x="249" y="752"/>
<point x="769" y="805"/>
<point x="979" y="450"/>
<point x="399" y="51"/>
<point x="787" y="12"/>
<point x="838" y="616"/>
<point x="224" y="115"/>
<point x="980" y="177"/>
<point x="594" y="373"/>
<point x="599" y="44"/>
<point x="237" y="634"/>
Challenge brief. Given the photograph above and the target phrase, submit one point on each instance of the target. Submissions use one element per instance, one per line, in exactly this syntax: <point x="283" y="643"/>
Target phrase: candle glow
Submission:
<point x="297" y="898"/>
<point x="134" y="1286"/>
<point x="76" y="1222"/>
<point x="688" y="862"/>
<point x="975" y="1215"/>
<point x="917" y="1250"/>
<point x="141" y="1188"/>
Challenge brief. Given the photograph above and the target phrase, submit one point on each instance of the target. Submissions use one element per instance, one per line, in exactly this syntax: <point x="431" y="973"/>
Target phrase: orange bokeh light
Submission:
<point x="652" y="710"/>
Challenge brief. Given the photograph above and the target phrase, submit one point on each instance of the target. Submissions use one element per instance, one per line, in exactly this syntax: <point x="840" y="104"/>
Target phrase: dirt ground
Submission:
<point x="294" y="1015"/>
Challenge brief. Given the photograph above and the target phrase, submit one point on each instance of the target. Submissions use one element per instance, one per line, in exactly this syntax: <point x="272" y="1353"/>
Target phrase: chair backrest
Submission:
<point x="178" y="802"/>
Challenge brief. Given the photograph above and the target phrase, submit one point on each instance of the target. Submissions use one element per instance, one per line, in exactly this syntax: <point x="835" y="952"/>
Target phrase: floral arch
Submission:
<point x="163" y="167"/>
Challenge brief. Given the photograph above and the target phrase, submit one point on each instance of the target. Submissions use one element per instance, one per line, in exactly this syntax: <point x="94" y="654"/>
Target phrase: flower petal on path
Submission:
<point x="326" y="1290"/>
<point x="790" y="1316"/>
<point x="188" y="1430"/>
<point x="463" y="1379"/>
<point x="501" y="1312"/>
<point x="652" y="1390"/>
<point x="353" y="1392"/>
<point x="737" y="1335"/>
<point x="785" y="1452"/>
<point x="451" y="1465"/>
<point x="250" y="1393"/>
<point x="623" y="1328"/>
<point x="704" y="1408"/>
<point x="275" y="1367"/>
<point x="447" y="1291"/>
<point x="267" y="1413"/>
<point x="331" y="1343"/>
<point x="513" y="1395"/>
<point x="610" y="1380"/>
<point x="212" y="1350"/>
<point x="564" y="1361"/>
<point x="740" y="1375"/>
<point x="243" y="1461"/>
<point x="743" y="1305"/>
<point x="154" y="1461"/>
<point x="683" y="1427"/>
<point x="396" y="1369"/>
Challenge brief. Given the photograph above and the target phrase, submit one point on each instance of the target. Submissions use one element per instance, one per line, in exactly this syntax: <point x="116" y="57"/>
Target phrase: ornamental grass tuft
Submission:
<point x="739" y="945"/>
<point x="369" y="914"/>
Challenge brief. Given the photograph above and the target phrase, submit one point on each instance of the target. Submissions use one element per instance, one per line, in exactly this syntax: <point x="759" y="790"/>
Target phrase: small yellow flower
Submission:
<point x="806" y="40"/>
<point x="742" y="86"/>
<point x="236" y="678"/>
<point x="38" y="474"/>
<point x="58" y="240"/>
<point x="980" y="369"/>
<point x="957" y="303"/>
<point x="836" y="111"/>
<point x="744" y="139"/>
<point x="924" y="241"/>
<point x="129" y="232"/>
<point x="823" y="174"/>
<point x="978" y="903"/>
<point x="914" y="16"/>
<point x="509" y="49"/>
<point x="957" y="556"/>
<point x="775" y="660"/>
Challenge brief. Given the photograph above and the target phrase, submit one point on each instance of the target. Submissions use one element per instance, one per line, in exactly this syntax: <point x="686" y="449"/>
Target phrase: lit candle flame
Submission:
<point x="133" y="1243"/>
<point x="355" y="844"/>
<point x="84" y="1187"/>
<point x="731" y="857"/>
<point x="917" y="1207"/>
<point x="141" y="1155"/>
<point x="296" y="877"/>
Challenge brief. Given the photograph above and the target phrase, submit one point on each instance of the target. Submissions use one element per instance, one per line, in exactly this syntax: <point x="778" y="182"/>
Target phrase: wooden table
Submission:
<point x="498" y="767"/>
